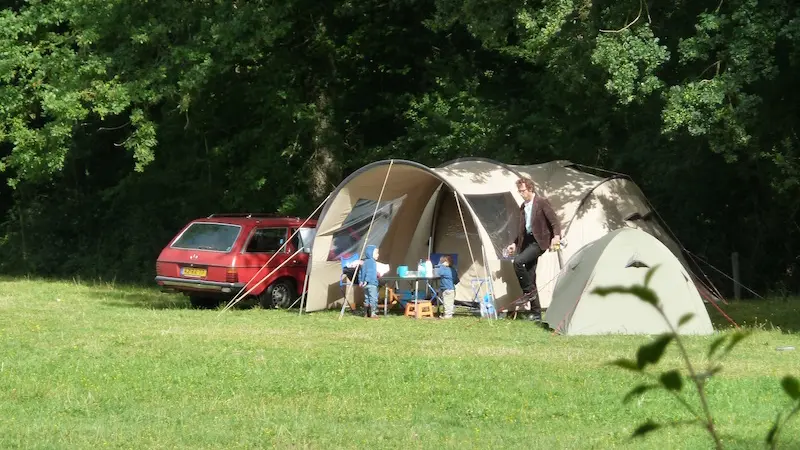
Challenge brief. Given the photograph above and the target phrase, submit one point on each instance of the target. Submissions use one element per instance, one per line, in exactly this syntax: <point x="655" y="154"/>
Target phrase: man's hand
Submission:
<point x="511" y="248"/>
<point x="555" y="242"/>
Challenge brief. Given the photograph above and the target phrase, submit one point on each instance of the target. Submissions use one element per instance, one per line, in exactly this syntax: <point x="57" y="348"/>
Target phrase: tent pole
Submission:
<point x="464" y="225"/>
<point x="235" y="300"/>
<point x="349" y="287"/>
<point x="466" y="234"/>
<point x="489" y="279"/>
<point x="305" y="286"/>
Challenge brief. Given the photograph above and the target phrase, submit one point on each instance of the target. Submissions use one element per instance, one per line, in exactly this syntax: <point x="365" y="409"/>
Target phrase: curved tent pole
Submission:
<point x="349" y="287"/>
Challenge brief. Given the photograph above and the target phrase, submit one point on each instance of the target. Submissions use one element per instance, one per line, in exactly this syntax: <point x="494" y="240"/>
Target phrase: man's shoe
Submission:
<point x="535" y="318"/>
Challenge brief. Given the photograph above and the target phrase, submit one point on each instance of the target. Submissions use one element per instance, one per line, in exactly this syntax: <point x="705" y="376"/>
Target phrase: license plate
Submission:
<point x="194" y="272"/>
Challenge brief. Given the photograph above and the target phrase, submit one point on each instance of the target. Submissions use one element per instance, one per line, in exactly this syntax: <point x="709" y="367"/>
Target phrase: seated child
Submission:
<point x="448" y="279"/>
<point x="368" y="279"/>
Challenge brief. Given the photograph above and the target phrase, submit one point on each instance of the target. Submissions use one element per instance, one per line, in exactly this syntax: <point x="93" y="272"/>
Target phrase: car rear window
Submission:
<point x="208" y="236"/>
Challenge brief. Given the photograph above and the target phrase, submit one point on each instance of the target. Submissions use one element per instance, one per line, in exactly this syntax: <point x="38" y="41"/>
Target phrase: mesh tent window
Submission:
<point x="499" y="215"/>
<point x="349" y="238"/>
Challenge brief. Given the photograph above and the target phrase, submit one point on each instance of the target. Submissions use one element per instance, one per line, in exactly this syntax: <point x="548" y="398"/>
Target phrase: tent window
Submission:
<point x="499" y="215"/>
<point x="349" y="238"/>
<point x="637" y="263"/>
<point x="638" y="216"/>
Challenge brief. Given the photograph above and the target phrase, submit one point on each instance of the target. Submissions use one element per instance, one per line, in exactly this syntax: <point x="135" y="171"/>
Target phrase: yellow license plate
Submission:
<point x="195" y="272"/>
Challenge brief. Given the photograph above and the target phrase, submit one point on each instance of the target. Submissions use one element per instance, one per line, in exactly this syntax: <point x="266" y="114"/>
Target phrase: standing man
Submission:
<point x="539" y="231"/>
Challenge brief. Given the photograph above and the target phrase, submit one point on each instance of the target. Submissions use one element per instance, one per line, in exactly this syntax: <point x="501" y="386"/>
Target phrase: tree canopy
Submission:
<point x="120" y="120"/>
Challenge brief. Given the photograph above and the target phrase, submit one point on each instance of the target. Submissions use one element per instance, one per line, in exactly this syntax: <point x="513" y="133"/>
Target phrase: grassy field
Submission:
<point x="111" y="367"/>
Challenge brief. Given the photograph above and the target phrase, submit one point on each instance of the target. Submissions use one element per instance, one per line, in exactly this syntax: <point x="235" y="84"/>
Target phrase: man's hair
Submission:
<point x="527" y="182"/>
<point x="446" y="258"/>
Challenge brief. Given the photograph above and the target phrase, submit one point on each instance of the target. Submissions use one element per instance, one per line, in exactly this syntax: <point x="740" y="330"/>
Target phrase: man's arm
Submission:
<point x="551" y="217"/>
<point x="520" y="223"/>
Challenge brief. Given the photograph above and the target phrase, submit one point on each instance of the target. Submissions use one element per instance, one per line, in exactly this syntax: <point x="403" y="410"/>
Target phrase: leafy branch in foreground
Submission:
<point x="672" y="381"/>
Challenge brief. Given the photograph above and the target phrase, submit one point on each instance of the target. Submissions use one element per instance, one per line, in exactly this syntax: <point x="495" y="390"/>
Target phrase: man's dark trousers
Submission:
<point x="525" y="267"/>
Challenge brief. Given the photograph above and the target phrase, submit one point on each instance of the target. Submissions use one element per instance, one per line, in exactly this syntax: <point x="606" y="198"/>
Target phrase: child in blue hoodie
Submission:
<point x="448" y="279"/>
<point x="368" y="279"/>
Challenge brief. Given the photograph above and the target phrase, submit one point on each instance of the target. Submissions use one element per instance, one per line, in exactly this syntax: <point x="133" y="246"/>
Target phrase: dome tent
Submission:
<point x="622" y="258"/>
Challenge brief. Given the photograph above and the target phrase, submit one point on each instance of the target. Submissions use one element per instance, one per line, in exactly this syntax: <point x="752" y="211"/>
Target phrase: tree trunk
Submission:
<point x="325" y="167"/>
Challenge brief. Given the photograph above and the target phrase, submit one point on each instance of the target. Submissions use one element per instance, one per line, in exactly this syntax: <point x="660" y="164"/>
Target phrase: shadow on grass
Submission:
<point x="145" y="300"/>
<point x="769" y="314"/>
<point x="155" y="299"/>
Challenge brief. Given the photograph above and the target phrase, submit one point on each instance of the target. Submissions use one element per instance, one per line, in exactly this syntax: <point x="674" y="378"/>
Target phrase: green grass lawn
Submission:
<point x="110" y="367"/>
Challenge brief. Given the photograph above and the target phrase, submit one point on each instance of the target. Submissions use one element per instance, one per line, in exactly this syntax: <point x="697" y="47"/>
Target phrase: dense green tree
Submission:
<point x="121" y="120"/>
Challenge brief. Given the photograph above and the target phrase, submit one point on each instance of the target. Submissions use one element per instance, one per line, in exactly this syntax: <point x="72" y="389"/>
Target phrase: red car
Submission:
<point x="212" y="259"/>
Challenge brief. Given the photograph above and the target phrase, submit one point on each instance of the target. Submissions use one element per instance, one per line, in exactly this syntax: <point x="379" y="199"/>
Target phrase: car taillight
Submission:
<point x="231" y="275"/>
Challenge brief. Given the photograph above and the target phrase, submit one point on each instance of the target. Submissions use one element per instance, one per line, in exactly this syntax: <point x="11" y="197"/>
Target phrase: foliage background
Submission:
<point x="122" y="120"/>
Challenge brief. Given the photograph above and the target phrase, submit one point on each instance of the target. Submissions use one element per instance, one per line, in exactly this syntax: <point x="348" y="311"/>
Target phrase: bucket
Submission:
<point x="402" y="271"/>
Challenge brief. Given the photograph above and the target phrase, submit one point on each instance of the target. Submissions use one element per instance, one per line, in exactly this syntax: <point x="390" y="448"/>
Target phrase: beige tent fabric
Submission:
<point x="429" y="201"/>
<point x="588" y="206"/>
<point x="605" y="262"/>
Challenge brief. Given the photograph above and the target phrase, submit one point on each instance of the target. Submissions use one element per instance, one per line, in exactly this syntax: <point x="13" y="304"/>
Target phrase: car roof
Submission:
<point x="255" y="219"/>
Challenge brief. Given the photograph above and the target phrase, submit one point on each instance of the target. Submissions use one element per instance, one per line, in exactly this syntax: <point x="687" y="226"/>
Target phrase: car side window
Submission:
<point x="295" y="243"/>
<point x="266" y="240"/>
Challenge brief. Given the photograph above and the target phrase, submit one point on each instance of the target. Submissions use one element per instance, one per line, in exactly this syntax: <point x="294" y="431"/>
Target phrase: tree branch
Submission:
<point x="641" y="5"/>
<point x="114" y="128"/>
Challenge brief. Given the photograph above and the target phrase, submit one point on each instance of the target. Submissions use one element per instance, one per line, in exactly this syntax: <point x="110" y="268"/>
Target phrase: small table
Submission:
<point x="416" y="280"/>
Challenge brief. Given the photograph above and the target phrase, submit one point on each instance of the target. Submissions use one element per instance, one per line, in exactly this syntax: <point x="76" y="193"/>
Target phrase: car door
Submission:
<point x="303" y="240"/>
<point x="265" y="244"/>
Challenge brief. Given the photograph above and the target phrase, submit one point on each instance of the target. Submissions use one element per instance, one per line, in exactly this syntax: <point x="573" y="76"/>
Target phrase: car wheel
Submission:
<point x="279" y="294"/>
<point x="202" y="302"/>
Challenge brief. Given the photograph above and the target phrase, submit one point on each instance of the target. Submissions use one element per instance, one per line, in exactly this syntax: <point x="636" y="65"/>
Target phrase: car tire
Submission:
<point x="279" y="294"/>
<point x="198" y="302"/>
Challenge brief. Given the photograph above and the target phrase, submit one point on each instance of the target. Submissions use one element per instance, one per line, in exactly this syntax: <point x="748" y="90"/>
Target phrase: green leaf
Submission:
<point x="637" y="391"/>
<point x="671" y="380"/>
<point x="646" y="294"/>
<point x="649" y="274"/>
<point x="652" y="352"/>
<point x="642" y="292"/>
<point x="773" y="430"/>
<point x="685" y="319"/>
<point x="645" y="428"/>
<point x="626" y="364"/>
<point x="715" y="345"/>
<point x="791" y="386"/>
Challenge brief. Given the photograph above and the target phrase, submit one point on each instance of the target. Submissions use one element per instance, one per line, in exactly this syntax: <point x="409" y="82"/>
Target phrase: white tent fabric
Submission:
<point x="622" y="258"/>
<point x="419" y="209"/>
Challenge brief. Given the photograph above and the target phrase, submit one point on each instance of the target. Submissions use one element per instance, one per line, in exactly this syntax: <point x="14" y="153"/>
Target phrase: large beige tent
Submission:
<point x="622" y="258"/>
<point x="426" y="209"/>
<point x="421" y="209"/>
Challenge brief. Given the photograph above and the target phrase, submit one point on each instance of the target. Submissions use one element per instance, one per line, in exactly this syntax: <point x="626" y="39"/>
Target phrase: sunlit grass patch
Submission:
<point x="101" y="365"/>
